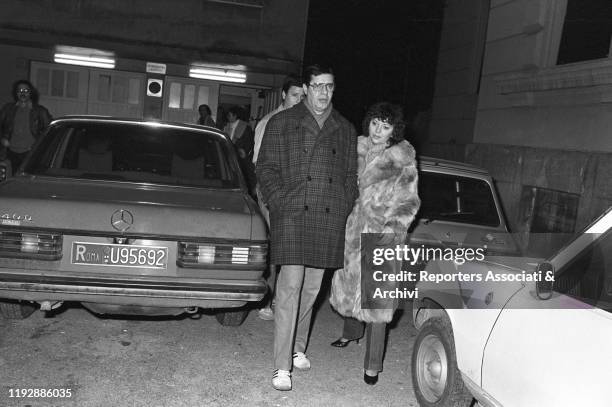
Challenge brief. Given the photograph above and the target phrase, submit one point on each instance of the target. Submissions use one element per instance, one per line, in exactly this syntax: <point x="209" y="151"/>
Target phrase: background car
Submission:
<point x="519" y="343"/>
<point x="459" y="208"/>
<point x="130" y="217"/>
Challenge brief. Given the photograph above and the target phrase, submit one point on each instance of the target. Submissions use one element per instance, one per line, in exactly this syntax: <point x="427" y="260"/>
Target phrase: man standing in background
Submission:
<point x="241" y="136"/>
<point x="22" y="122"/>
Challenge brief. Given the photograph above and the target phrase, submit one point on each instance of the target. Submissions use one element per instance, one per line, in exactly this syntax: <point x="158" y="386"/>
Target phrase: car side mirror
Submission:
<point x="544" y="288"/>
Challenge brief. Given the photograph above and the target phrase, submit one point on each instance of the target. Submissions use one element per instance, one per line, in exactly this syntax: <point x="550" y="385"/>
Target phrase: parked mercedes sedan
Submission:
<point x="130" y="217"/>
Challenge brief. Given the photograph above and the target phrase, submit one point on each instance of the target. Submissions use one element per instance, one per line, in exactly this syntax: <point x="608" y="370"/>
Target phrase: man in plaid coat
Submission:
<point x="307" y="172"/>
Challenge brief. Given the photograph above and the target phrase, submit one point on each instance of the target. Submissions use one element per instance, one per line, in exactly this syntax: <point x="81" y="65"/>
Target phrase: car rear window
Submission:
<point x="135" y="153"/>
<point x="457" y="199"/>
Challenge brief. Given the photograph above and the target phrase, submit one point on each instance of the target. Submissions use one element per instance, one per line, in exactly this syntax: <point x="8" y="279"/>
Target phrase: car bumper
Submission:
<point x="149" y="292"/>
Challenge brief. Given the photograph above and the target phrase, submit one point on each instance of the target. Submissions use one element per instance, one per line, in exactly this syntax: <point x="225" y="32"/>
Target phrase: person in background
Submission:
<point x="221" y="118"/>
<point x="291" y="94"/>
<point x="307" y="173"/>
<point x="387" y="203"/>
<point x="22" y="122"/>
<point x="241" y="136"/>
<point x="205" y="118"/>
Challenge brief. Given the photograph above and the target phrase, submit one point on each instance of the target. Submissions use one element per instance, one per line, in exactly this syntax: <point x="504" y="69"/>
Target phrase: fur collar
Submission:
<point x="387" y="165"/>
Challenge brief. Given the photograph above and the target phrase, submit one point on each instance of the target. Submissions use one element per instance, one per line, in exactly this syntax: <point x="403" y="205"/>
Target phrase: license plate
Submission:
<point x="118" y="255"/>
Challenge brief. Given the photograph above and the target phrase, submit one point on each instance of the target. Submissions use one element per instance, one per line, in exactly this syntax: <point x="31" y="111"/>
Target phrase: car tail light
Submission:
<point x="195" y="254"/>
<point x="44" y="246"/>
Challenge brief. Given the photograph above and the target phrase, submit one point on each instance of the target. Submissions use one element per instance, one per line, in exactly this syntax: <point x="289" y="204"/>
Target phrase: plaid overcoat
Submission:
<point x="308" y="178"/>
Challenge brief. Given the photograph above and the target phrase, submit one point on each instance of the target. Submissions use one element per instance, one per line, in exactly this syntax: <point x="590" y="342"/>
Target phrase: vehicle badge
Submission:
<point x="122" y="220"/>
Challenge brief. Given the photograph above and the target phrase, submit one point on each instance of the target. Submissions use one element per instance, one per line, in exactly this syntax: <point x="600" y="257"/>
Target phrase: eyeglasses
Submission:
<point x="23" y="90"/>
<point x="318" y="87"/>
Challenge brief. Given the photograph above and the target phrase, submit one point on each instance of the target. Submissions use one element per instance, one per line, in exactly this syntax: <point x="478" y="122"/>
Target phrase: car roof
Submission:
<point x="425" y="162"/>
<point x="453" y="167"/>
<point x="146" y="122"/>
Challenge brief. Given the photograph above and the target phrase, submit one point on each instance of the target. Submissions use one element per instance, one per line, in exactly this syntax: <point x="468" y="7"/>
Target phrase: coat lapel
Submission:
<point x="308" y="121"/>
<point x="330" y="125"/>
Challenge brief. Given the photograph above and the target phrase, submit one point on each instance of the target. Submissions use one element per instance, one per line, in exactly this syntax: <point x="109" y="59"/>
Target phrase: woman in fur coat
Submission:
<point x="387" y="204"/>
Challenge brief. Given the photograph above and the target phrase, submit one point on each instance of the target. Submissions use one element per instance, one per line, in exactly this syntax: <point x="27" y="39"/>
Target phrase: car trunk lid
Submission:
<point x="150" y="210"/>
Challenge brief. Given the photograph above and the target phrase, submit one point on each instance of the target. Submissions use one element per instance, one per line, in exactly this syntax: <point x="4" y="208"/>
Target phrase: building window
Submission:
<point x="548" y="218"/>
<point x="587" y="30"/>
<point x="174" y="101"/>
<point x="57" y="83"/>
<point x="104" y="88"/>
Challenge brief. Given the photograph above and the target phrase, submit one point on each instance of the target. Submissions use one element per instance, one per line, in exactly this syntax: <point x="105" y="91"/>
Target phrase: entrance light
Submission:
<point x="84" y="57"/>
<point x="217" y="74"/>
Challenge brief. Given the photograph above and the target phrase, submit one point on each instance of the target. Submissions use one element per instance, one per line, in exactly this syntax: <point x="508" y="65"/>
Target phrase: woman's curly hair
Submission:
<point x="389" y="113"/>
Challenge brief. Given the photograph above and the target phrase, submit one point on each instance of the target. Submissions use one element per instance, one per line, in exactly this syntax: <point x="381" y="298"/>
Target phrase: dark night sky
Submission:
<point x="379" y="50"/>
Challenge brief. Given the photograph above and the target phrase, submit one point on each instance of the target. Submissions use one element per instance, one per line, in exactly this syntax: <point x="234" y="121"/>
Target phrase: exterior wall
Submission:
<point x="268" y="37"/>
<point x="527" y="100"/>
<point x="536" y="124"/>
<point x="458" y="76"/>
<point x="266" y="40"/>
<point x="512" y="167"/>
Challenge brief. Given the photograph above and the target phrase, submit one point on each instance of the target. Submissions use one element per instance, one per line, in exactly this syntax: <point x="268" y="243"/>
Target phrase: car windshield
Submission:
<point x="588" y="276"/>
<point x="135" y="152"/>
<point x="457" y="199"/>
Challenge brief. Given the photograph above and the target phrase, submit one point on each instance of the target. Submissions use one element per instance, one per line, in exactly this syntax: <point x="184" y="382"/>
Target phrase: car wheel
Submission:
<point x="16" y="309"/>
<point x="231" y="318"/>
<point x="435" y="377"/>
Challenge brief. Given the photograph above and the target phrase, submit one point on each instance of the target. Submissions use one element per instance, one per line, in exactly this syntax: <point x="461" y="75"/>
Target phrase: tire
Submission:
<point x="16" y="309"/>
<point x="436" y="380"/>
<point x="231" y="318"/>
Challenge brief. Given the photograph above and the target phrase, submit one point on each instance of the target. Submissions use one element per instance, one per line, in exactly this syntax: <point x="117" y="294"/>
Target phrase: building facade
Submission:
<point x="531" y="101"/>
<point x="154" y="44"/>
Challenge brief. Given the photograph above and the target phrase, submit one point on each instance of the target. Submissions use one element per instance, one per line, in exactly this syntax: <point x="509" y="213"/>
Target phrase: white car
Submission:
<point x="521" y="342"/>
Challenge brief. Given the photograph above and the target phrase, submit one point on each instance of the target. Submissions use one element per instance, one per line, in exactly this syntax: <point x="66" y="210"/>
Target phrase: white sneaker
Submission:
<point x="281" y="380"/>
<point x="266" y="314"/>
<point x="300" y="361"/>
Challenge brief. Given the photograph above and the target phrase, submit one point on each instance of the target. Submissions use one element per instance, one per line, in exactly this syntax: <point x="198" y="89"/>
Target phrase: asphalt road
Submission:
<point x="189" y="362"/>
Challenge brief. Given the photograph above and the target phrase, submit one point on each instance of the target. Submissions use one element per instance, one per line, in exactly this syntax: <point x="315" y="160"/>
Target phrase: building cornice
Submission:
<point x="570" y="76"/>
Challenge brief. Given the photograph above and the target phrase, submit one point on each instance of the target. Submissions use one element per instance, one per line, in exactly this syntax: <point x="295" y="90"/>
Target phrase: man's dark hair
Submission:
<point x="236" y="110"/>
<point x="289" y="82"/>
<point x="386" y="112"/>
<point x="314" y="70"/>
<point x="33" y="91"/>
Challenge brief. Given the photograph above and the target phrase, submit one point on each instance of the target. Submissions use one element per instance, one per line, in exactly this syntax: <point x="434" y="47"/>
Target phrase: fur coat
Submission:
<point x="387" y="203"/>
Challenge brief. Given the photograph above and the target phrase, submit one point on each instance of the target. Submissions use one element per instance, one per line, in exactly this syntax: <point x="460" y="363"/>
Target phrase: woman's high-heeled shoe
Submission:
<point x="342" y="342"/>
<point x="371" y="380"/>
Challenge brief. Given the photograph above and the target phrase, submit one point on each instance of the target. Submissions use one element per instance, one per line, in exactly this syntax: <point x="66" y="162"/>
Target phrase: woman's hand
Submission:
<point x="386" y="239"/>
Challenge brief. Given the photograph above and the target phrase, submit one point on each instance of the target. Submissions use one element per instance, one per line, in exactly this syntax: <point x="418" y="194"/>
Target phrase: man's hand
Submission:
<point x="5" y="142"/>
<point x="241" y="153"/>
